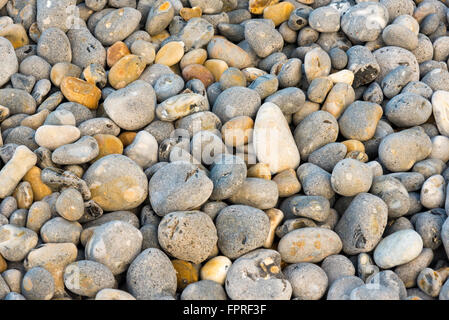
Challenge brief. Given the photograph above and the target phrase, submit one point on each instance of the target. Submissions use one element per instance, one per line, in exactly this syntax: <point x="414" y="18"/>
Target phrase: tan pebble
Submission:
<point x="278" y="13"/>
<point x="36" y="120"/>
<point x="3" y="264"/>
<point x="127" y="137"/>
<point x="338" y="99"/>
<point x="357" y="155"/>
<point x="4" y="113"/>
<point x="189" y="13"/>
<point x="216" y="269"/>
<point x="40" y="189"/>
<point x="232" y="77"/>
<point x="216" y="67"/>
<point x="260" y="170"/>
<point x="115" y="52"/>
<point x="76" y="169"/>
<point x="257" y="6"/>
<point x="34" y="32"/>
<point x="108" y="144"/>
<point x="63" y="69"/>
<point x="24" y="195"/>
<point x="198" y="71"/>
<point x="233" y="55"/>
<point x="16" y="34"/>
<point x="252" y="74"/>
<point x="171" y="53"/>
<point x="354" y="145"/>
<point x="196" y="56"/>
<point x="157" y="39"/>
<point x="186" y="273"/>
<point x="288" y="183"/>
<point x="238" y="131"/>
<point x="128" y="69"/>
<point x="275" y="216"/>
<point x="80" y="91"/>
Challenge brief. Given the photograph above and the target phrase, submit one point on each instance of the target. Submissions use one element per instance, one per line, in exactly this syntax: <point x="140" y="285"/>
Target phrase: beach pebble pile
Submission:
<point x="225" y="149"/>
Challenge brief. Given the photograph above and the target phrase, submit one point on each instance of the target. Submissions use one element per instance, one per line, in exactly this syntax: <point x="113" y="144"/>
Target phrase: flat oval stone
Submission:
<point x="233" y="55"/>
<point x="309" y="245"/>
<point x="273" y="141"/>
<point x="181" y="105"/>
<point x="398" y="248"/>
<point x="82" y="151"/>
<point x="132" y="107"/>
<point x="117" y="25"/>
<point x="116" y="183"/>
<point x="53" y="137"/>
<point x="17" y="101"/>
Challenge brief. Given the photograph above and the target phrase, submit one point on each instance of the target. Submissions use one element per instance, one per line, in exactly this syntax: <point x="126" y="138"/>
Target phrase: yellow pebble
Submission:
<point x="257" y="6"/>
<point x="127" y="138"/>
<point x="288" y="183"/>
<point x="354" y="145"/>
<point x="171" y="53"/>
<point x="80" y="91"/>
<point x="275" y="216"/>
<point x="237" y="131"/>
<point x="3" y="264"/>
<point x="16" y="34"/>
<point x="126" y="70"/>
<point x="217" y="67"/>
<point x="115" y="52"/>
<point x="189" y="13"/>
<point x="278" y="13"/>
<point x="260" y="170"/>
<point x="157" y="39"/>
<point x="186" y="273"/>
<point x="108" y="144"/>
<point x="40" y="189"/>
<point x="216" y="269"/>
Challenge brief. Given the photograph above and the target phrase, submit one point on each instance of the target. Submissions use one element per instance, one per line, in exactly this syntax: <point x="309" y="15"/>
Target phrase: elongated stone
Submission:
<point x="16" y="168"/>
<point x="273" y="140"/>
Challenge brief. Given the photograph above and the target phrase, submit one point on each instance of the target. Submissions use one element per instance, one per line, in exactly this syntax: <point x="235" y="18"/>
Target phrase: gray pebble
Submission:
<point x="38" y="284"/>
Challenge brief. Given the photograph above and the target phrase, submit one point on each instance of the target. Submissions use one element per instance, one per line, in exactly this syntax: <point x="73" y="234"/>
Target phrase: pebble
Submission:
<point x="60" y="230"/>
<point x="88" y="278"/>
<point x="252" y="224"/>
<point x="15" y="169"/>
<point x="309" y="245"/>
<point x="179" y="186"/>
<point x="266" y="282"/>
<point x="116" y="183"/>
<point x="362" y="224"/>
<point x="132" y="107"/>
<point x="273" y="141"/>
<point x="115" y="244"/>
<point x="309" y="281"/>
<point x="204" y="290"/>
<point x="117" y="25"/>
<point x="16" y="242"/>
<point x="199" y="242"/>
<point x="151" y="275"/>
<point x="55" y="136"/>
<point x="38" y="284"/>
<point x="10" y="64"/>
<point x="398" y="248"/>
